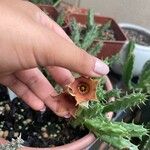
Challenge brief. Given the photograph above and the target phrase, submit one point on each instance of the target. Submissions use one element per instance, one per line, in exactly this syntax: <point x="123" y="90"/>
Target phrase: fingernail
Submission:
<point x="100" y="67"/>
<point x="43" y="109"/>
<point x="67" y="116"/>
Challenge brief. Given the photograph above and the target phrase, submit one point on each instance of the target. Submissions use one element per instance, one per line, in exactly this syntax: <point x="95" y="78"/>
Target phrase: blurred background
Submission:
<point x="129" y="11"/>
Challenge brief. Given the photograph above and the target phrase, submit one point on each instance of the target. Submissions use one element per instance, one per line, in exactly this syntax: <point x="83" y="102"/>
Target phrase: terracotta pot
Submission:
<point x="110" y="47"/>
<point x="82" y="143"/>
<point x="49" y="10"/>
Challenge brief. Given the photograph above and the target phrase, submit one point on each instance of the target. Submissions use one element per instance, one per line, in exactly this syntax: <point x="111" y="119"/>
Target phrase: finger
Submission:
<point x="61" y="75"/>
<point x="64" y="54"/>
<point x="39" y="45"/>
<point x="39" y="85"/>
<point x="23" y="92"/>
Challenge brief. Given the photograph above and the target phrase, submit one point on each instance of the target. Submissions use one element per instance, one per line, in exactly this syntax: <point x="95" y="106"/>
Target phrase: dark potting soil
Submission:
<point x="137" y="36"/>
<point x="108" y="35"/>
<point x="3" y="93"/>
<point x="36" y="129"/>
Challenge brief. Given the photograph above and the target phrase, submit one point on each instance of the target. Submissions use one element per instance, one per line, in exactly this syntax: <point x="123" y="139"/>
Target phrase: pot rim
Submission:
<point x="83" y="142"/>
<point x="138" y="28"/>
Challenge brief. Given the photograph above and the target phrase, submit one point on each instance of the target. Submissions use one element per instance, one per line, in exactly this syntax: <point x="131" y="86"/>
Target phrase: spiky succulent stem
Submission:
<point x="103" y="29"/>
<point x="75" y="32"/>
<point x="146" y="145"/>
<point x="110" y="60"/>
<point x="119" y="143"/>
<point x="90" y="19"/>
<point x="121" y="133"/>
<point x="128" y="65"/>
<point x="61" y="19"/>
<point x="95" y="49"/>
<point x="102" y="126"/>
<point x="89" y="38"/>
<point x="144" y="79"/>
<point x="127" y="101"/>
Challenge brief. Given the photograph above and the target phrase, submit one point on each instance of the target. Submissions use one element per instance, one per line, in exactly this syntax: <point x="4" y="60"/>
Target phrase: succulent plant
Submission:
<point x="86" y="36"/>
<point x="13" y="145"/>
<point x="93" y="117"/>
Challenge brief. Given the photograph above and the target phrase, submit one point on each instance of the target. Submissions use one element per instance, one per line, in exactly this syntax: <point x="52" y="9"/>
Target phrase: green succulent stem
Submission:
<point x="128" y="65"/>
<point x="127" y="101"/>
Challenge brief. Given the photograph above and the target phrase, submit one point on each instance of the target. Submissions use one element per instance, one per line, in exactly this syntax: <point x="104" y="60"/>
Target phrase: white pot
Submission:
<point x="142" y="53"/>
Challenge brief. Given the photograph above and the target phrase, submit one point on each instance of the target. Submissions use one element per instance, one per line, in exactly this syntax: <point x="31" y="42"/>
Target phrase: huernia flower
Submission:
<point x="83" y="89"/>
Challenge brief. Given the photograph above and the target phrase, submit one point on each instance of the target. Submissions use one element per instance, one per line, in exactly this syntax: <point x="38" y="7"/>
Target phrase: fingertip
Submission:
<point x="67" y="116"/>
<point x="43" y="109"/>
<point x="38" y="106"/>
<point x="100" y="67"/>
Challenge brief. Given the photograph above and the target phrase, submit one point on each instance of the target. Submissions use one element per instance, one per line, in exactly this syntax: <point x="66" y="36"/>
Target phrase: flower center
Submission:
<point x="83" y="88"/>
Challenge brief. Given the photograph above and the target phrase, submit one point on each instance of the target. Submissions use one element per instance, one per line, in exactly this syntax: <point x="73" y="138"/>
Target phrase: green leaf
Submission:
<point x="127" y="101"/>
<point x="128" y="65"/>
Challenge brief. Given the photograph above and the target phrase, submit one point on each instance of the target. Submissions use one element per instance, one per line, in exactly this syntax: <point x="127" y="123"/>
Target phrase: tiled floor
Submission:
<point x="131" y="11"/>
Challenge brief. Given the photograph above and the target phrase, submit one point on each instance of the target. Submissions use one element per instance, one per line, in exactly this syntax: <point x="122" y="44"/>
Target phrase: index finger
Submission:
<point x="53" y="50"/>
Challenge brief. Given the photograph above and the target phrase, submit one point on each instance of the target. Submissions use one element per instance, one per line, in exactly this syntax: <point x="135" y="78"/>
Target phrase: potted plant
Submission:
<point x="102" y="29"/>
<point x="90" y="115"/>
<point x="138" y="114"/>
<point x="141" y="37"/>
<point x="91" y="99"/>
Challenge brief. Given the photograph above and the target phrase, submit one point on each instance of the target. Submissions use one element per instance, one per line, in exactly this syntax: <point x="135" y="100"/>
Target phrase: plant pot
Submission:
<point x="141" y="52"/>
<point x="82" y="143"/>
<point x="110" y="47"/>
<point x="49" y="10"/>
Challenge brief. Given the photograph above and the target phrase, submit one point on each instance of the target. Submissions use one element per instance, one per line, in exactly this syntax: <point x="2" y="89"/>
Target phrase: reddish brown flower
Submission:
<point x="83" y="89"/>
<point x="65" y="103"/>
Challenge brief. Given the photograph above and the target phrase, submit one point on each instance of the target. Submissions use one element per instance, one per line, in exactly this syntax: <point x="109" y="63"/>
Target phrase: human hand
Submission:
<point x="30" y="39"/>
